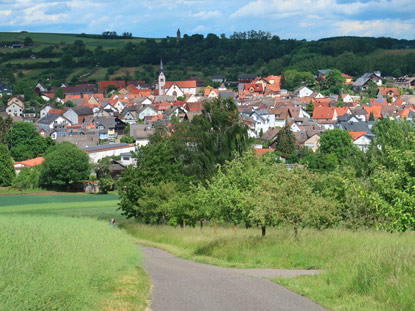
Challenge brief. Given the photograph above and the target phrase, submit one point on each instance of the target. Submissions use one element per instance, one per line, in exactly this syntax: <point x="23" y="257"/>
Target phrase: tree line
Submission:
<point x="243" y="52"/>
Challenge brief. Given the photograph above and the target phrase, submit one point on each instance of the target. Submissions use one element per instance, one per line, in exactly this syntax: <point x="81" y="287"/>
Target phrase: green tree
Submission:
<point x="28" y="41"/>
<point x="333" y="81"/>
<point x="372" y="89"/>
<point x="7" y="173"/>
<point x="27" y="179"/>
<point x="59" y="93"/>
<point x="64" y="165"/>
<point x="293" y="79"/>
<point x="24" y="142"/>
<point x="337" y="142"/>
<point x="111" y="88"/>
<point x="285" y="141"/>
<point x="5" y="126"/>
<point x="310" y="108"/>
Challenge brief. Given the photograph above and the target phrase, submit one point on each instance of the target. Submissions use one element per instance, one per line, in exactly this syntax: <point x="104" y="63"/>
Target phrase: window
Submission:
<point x="126" y="158"/>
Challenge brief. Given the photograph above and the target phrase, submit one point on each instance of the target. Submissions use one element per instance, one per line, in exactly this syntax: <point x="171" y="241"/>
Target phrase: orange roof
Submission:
<point x="57" y="111"/>
<point x="261" y="152"/>
<point x="254" y="87"/>
<point x="341" y="111"/>
<point x="273" y="87"/>
<point x="378" y="102"/>
<point x="323" y="112"/>
<point x="181" y="84"/>
<point x="324" y="102"/>
<point x="31" y="162"/>
<point x="392" y="90"/>
<point x="194" y="107"/>
<point x="208" y="91"/>
<point x="376" y="110"/>
<point x="356" y="135"/>
<point x="404" y="113"/>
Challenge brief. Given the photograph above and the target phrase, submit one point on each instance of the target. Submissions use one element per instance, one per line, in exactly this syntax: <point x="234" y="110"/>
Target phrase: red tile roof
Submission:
<point x="377" y="111"/>
<point x="182" y="84"/>
<point x="356" y="135"/>
<point x="323" y="112"/>
<point x="31" y="162"/>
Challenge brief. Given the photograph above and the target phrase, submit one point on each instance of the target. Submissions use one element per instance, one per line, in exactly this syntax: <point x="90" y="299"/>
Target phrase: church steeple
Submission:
<point x="161" y="65"/>
<point x="161" y="79"/>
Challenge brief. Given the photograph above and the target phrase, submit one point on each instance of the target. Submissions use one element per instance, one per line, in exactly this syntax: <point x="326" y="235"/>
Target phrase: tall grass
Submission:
<point x="63" y="263"/>
<point x="365" y="270"/>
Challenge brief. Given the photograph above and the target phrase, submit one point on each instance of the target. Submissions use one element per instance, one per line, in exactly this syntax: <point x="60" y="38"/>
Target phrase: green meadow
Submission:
<point x="363" y="270"/>
<point x="59" y="253"/>
<point x="79" y="205"/>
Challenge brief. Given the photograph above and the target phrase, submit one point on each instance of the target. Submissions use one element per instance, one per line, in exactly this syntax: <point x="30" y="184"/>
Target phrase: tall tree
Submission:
<point x="5" y="126"/>
<point x="7" y="173"/>
<point x="285" y="141"/>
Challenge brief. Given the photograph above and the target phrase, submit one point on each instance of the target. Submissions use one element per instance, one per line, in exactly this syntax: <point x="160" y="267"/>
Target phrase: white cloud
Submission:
<point x="280" y="8"/>
<point x="7" y="13"/>
<point x="386" y="27"/>
<point x="207" y="14"/>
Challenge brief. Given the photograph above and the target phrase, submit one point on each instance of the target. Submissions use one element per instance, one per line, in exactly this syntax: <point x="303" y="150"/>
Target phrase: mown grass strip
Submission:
<point x="365" y="270"/>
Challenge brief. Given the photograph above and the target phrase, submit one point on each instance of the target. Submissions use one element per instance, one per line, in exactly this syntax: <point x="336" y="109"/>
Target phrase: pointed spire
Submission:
<point x="161" y="65"/>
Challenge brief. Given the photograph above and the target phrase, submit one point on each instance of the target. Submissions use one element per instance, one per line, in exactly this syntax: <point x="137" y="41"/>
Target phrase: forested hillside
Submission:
<point x="79" y="58"/>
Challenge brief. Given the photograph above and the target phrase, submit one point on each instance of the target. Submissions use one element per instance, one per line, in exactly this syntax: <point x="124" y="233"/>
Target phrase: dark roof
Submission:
<point x="82" y="110"/>
<point x="106" y="146"/>
<point x="49" y="118"/>
<point x="357" y="126"/>
<point x="247" y="76"/>
<point x="106" y="122"/>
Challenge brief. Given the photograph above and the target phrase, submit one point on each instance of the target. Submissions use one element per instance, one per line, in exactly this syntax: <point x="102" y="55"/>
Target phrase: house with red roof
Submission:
<point x="375" y="110"/>
<point x="18" y="166"/>
<point x="211" y="93"/>
<point x="388" y="92"/>
<point x="378" y="102"/>
<point x="325" y="116"/>
<point x="254" y="88"/>
<point x="180" y="88"/>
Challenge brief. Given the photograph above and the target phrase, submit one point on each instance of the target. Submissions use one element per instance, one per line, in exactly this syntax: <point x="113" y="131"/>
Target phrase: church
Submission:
<point x="174" y="88"/>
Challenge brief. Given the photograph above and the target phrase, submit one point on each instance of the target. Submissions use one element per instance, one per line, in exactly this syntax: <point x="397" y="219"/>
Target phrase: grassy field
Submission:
<point x="63" y="263"/>
<point x="77" y="205"/>
<point x="365" y="270"/>
<point x="52" y="262"/>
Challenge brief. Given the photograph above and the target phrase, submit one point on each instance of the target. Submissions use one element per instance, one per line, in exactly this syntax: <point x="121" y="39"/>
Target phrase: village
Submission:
<point x="114" y="117"/>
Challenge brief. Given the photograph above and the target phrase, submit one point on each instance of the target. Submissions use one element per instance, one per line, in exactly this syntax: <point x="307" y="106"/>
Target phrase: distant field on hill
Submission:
<point x="57" y="38"/>
<point x="78" y="205"/>
<point x="392" y="52"/>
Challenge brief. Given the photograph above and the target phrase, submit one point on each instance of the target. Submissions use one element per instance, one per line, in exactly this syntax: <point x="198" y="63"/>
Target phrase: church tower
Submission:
<point x="178" y="34"/>
<point x="162" y="78"/>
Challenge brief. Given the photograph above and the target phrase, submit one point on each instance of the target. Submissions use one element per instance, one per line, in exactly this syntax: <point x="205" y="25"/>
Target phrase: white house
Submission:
<point x="363" y="142"/>
<point x="96" y="153"/>
<point x="303" y="92"/>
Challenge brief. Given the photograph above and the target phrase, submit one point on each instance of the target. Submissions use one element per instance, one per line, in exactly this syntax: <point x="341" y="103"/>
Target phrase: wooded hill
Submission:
<point x="68" y="57"/>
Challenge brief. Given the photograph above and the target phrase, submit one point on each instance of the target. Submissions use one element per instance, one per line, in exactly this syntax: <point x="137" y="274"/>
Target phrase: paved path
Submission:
<point x="182" y="285"/>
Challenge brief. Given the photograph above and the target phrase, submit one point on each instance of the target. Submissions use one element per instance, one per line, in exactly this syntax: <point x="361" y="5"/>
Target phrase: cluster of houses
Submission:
<point x="96" y="120"/>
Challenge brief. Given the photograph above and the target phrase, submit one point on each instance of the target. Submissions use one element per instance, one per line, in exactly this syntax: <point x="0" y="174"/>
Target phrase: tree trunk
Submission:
<point x="184" y="223"/>
<point x="201" y="225"/>
<point x="234" y="231"/>
<point x="214" y="230"/>
<point x="263" y="229"/>
<point x="296" y="232"/>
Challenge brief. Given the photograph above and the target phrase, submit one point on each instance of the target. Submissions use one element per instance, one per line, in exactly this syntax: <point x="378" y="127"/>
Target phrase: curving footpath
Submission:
<point x="182" y="285"/>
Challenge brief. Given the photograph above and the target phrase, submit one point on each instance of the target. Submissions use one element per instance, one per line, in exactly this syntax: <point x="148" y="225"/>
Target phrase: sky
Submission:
<point x="289" y="19"/>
